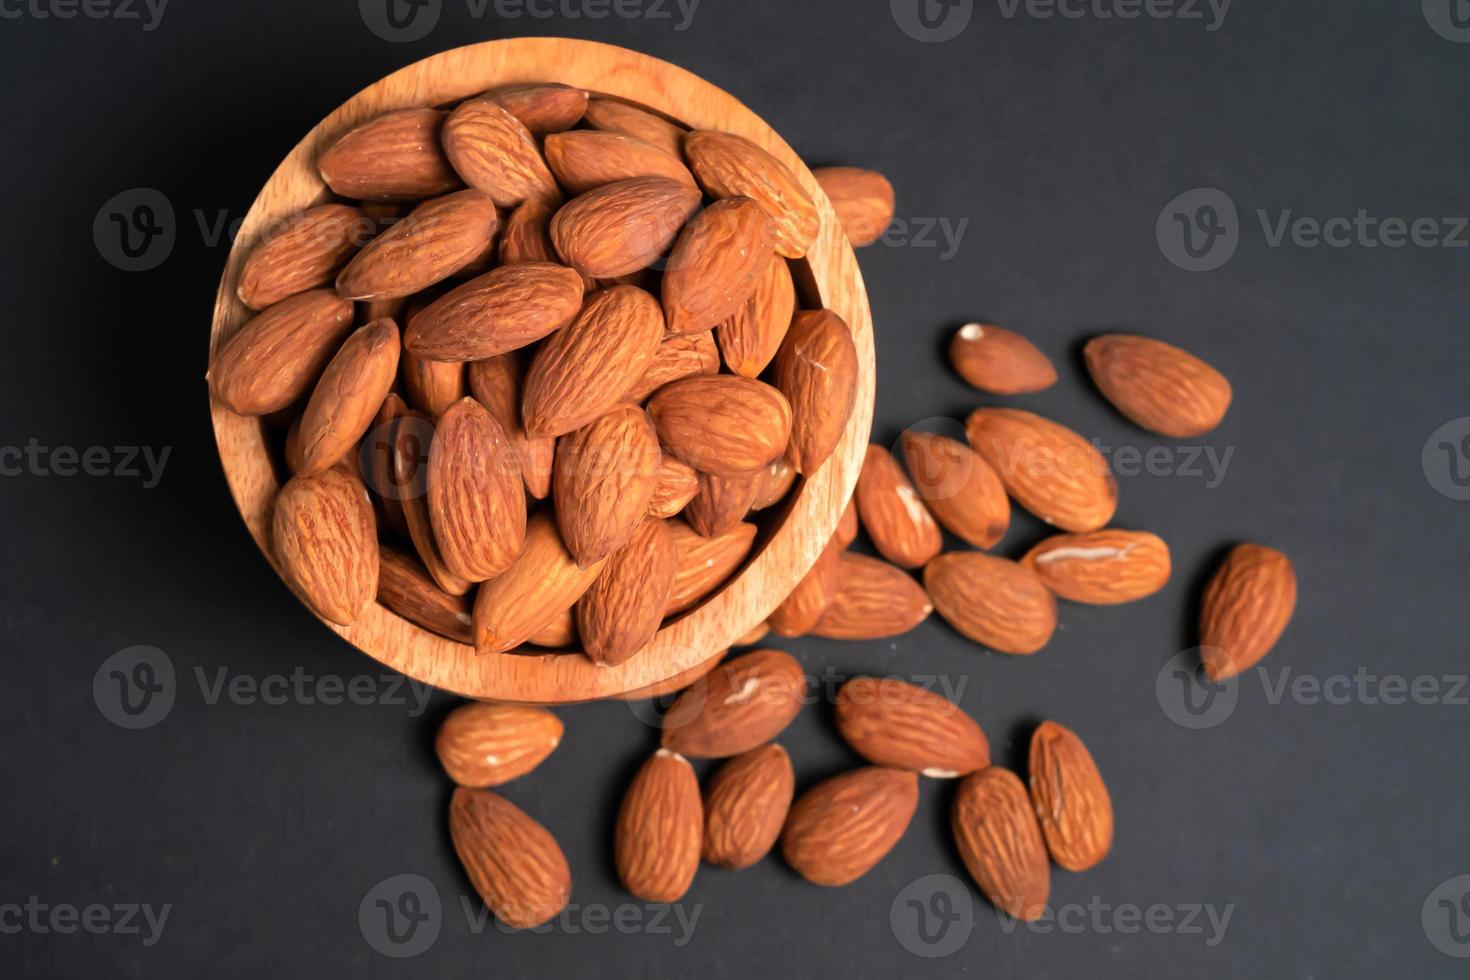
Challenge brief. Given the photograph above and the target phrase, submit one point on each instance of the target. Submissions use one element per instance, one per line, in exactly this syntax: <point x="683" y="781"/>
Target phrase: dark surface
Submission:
<point x="1323" y="827"/>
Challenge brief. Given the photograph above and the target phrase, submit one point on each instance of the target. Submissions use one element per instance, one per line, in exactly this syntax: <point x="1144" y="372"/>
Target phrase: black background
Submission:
<point x="1323" y="827"/>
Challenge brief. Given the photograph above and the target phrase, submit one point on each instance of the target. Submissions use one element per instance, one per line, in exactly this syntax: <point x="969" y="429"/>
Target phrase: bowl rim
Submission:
<point x="786" y="554"/>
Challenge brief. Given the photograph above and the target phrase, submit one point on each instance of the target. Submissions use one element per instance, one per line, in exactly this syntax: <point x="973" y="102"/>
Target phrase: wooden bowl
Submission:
<point x="830" y="278"/>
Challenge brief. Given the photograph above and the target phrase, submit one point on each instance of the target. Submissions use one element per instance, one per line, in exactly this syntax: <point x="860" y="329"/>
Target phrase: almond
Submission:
<point x="817" y="371"/>
<point x="863" y="200"/>
<point x="721" y="503"/>
<point x="412" y="441"/>
<point x="406" y="589"/>
<point x="745" y="805"/>
<point x="326" y="543"/>
<point x="752" y="335"/>
<point x="674" y="486"/>
<point x="841" y="828"/>
<point x="847" y="525"/>
<point x="899" y="524"/>
<point x="503" y="310"/>
<point x="678" y="356"/>
<point x="348" y="396"/>
<point x="483" y="745"/>
<point x="275" y="358"/>
<point x="612" y="116"/>
<point x="496" y="383"/>
<point x="722" y="425"/>
<point x="512" y="861"/>
<point x="541" y="584"/>
<point x="526" y="236"/>
<point x="603" y="482"/>
<point x="732" y="166"/>
<point x="958" y="487"/>
<point x="1071" y="800"/>
<point x="584" y="159"/>
<point x="432" y="386"/>
<point x="395" y="157"/>
<point x="437" y="239"/>
<point x="622" y="610"/>
<point x="993" y="601"/>
<point x="996" y="833"/>
<point x="715" y="265"/>
<point x="1000" y="361"/>
<point x="622" y="228"/>
<point x="1050" y="470"/>
<point x="892" y="723"/>
<point x="492" y="151"/>
<point x="659" y="827"/>
<point x="476" y="504"/>
<point x="1101" y="567"/>
<point x="744" y="702"/>
<point x="705" y="563"/>
<point x="1160" y="387"/>
<point x="541" y="107"/>
<point x="1246" y="606"/>
<point x="772" y="484"/>
<point x="584" y="369"/>
<point x="799" y="613"/>
<point x="307" y="251"/>
<point x="559" y="633"/>
<point x="874" y="600"/>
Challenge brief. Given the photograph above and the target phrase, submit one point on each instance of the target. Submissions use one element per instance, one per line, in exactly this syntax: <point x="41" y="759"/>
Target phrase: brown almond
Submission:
<point x="492" y="151"/>
<point x="622" y="610"/>
<point x="801" y="611"/>
<point x="584" y="159"/>
<point x="716" y="263"/>
<point x="705" y="563"/>
<point x="503" y="310"/>
<point x="893" y="723"/>
<point x="998" y="839"/>
<point x="559" y="633"/>
<point x="1071" y="800"/>
<point x="584" y="369"/>
<point x="542" y="107"/>
<point x="305" y="252"/>
<point x="1246" y="607"/>
<point x="513" y="862"/>
<point x="482" y="745"/>
<point x="958" y="487"/>
<point x="348" y="396"/>
<point x="659" y="829"/>
<point x="874" y="601"/>
<point x="612" y="116"/>
<point x="817" y="371"/>
<point x="432" y="386"/>
<point x="1158" y="386"/>
<point x="678" y="356"/>
<point x="1000" y="361"/>
<point x="1101" y="567"/>
<point x="526" y="236"/>
<point x="674" y="486"/>
<point x="495" y="383"/>
<point x="413" y="436"/>
<point x="991" y="600"/>
<point x="745" y="806"/>
<point x="863" y="200"/>
<point x="541" y="584"/>
<point x="476" y="504"/>
<point x="841" y="828"/>
<point x="773" y="484"/>
<point x="1050" y="470"/>
<point x="404" y="586"/>
<point x="847" y="524"/>
<point x="727" y="165"/>
<point x="326" y="543"/>
<point x="721" y="503"/>
<point x="752" y="335"/>
<point x="721" y="424"/>
<point x="746" y="701"/>
<point x="437" y="239"/>
<point x="897" y="521"/>
<point x="276" y="357"/>
<point x="603" y="482"/>
<point x="622" y="228"/>
<point x="394" y="157"/>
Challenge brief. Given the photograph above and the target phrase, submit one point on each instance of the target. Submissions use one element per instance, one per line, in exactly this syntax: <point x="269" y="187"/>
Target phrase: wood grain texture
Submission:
<point x="786" y="555"/>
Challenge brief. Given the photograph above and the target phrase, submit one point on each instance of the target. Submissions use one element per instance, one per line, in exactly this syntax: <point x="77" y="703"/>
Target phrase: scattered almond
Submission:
<point x="513" y="862"/>
<point x="900" y="526"/>
<point x="840" y="828"/>
<point x="659" y="829"/>
<point x="993" y="601"/>
<point x="745" y="805"/>
<point x="1246" y="607"/>
<point x="863" y="200"/>
<point x="483" y="745"/>
<point x="958" y="487"/>
<point x="874" y="601"/>
<point x="1157" y="385"/>
<point x="893" y="723"/>
<point x="744" y="702"/>
<point x="1050" y="470"/>
<point x="1101" y="567"/>
<point x="1070" y="798"/>
<point x="998" y="839"/>
<point x="1000" y="361"/>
